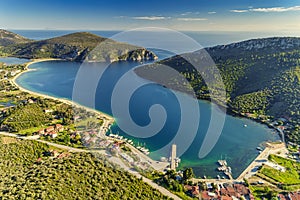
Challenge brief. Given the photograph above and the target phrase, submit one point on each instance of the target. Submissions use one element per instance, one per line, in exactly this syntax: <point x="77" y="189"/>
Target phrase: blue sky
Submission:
<point x="198" y="15"/>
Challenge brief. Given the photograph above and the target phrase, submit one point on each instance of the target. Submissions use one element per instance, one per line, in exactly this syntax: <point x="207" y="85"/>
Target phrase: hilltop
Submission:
<point x="9" y="38"/>
<point x="261" y="78"/>
<point x="78" y="46"/>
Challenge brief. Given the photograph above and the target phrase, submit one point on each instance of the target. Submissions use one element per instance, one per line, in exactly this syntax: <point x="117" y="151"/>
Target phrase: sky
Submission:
<point x="189" y="15"/>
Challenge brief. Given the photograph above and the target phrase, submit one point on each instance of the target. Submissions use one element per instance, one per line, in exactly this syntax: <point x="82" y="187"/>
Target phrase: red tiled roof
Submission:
<point x="223" y="191"/>
<point x="226" y="198"/>
<point x="295" y="195"/>
<point x="195" y="190"/>
<point x="281" y="197"/>
<point x="205" y="195"/>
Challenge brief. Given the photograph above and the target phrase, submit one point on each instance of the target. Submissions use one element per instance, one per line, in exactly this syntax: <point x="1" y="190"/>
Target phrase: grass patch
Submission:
<point x="289" y="177"/>
<point x="262" y="192"/>
<point x="29" y="131"/>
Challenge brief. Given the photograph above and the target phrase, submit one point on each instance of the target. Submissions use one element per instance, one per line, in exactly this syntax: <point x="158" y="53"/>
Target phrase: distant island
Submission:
<point x="79" y="47"/>
<point x="261" y="78"/>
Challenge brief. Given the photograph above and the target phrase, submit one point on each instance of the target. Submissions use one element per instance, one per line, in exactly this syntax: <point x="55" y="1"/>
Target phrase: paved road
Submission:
<point x="115" y="160"/>
<point x="261" y="159"/>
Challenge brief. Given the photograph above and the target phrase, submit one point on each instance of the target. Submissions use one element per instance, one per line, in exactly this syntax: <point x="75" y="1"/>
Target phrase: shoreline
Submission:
<point x="110" y="119"/>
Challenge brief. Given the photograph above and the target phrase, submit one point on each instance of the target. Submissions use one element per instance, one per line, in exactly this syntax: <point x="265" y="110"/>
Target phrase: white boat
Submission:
<point x="259" y="148"/>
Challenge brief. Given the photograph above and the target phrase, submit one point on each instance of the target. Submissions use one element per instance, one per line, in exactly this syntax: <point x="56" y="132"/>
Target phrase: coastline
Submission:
<point x="109" y="119"/>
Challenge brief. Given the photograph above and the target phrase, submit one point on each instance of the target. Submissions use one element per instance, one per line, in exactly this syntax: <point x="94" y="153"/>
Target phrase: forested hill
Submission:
<point x="77" y="47"/>
<point x="261" y="77"/>
<point x="9" y="38"/>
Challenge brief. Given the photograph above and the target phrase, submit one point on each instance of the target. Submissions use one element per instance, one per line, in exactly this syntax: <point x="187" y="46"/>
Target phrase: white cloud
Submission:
<point x="120" y="17"/>
<point x="186" y="13"/>
<point x="273" y="9"/>
<point x="212" y="12"/>
<point x="191" y="19"/>
<point x="239" y="11"/>
<point x="276" y="9"/>
<point x="151" y="18"/>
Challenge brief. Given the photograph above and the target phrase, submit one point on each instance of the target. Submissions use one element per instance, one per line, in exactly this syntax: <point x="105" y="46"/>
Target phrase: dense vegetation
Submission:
<point x="24" y="117"/>
<point x="76" y="47"/>
<point x="8" y="38"/>
<point x="30" y="171"/>
<point x="261" y="77"/>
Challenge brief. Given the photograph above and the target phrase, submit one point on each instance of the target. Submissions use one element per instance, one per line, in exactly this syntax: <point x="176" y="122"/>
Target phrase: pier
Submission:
<point x="173" y="157"/>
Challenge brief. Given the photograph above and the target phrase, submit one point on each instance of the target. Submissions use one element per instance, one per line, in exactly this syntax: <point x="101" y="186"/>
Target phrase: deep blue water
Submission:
<point x="237" y="143"/>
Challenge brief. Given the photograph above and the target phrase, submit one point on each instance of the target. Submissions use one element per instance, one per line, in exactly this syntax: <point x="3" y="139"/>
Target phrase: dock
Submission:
<point x="173" y="157"/>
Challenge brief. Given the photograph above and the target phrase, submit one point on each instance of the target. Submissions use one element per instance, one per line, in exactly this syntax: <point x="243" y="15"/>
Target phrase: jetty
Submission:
<point x="173" y="157"/>
<point x="224" y="168"/>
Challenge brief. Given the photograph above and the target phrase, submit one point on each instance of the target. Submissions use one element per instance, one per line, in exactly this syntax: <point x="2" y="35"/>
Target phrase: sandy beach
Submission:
<point x="109" y="119"/>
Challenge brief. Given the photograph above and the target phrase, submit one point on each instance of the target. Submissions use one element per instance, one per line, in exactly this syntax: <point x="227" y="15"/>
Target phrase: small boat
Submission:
<point x="259" y="148"/>
<point x="245" y="125"/>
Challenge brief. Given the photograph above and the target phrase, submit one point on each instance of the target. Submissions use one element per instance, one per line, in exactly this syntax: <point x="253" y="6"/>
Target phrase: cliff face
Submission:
<point x="78" y="47"/>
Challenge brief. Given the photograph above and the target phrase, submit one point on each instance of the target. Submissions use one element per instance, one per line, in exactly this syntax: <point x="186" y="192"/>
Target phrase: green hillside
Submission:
<point x="261" y="78"/>
<point x="78" y="47"/>
<point x="31" y="170"/>
<point x="9" y="38"/>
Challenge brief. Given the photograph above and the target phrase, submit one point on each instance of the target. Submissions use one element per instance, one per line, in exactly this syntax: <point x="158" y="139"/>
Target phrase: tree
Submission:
<point x="188" y="174"/>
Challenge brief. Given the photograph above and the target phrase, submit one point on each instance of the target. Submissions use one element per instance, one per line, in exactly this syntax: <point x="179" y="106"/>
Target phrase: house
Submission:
<point x="48" y="111"/>
<point x="195" y="190"/>
<point x="53" y="134"/>
<point x="226" y="198"/>
<point x="41" y="132"/>
<point x="59" y="127"/>
<point x="204" y="195"/>
<point x="192" y="190"/>
<point x="49" y="129"/>
<point x="294" y="196"/>
<point x="30" y="101"/>
<point x="54" y="153"/>
<point x="241" y="189"/>
<point x="281" y="197"/>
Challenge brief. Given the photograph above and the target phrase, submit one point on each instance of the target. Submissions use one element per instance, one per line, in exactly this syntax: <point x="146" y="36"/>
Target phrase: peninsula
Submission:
<point x="79" y="47"/>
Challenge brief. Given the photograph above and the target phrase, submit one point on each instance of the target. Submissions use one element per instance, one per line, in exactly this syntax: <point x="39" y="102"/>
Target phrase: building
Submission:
<point x="41" y="132"/>
<point x="59" y="127"/>
<point x="49" y="129"/>
<point x="52" y="134"/>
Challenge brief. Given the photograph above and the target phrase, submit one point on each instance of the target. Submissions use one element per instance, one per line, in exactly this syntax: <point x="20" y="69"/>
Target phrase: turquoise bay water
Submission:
<point x="237" y="143"/>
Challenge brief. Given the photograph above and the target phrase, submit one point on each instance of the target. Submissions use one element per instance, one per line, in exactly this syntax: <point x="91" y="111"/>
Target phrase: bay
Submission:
<point x="237" y="143"/>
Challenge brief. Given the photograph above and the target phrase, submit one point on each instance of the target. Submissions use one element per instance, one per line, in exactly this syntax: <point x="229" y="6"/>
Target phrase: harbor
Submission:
<point x="223" y="167"/>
